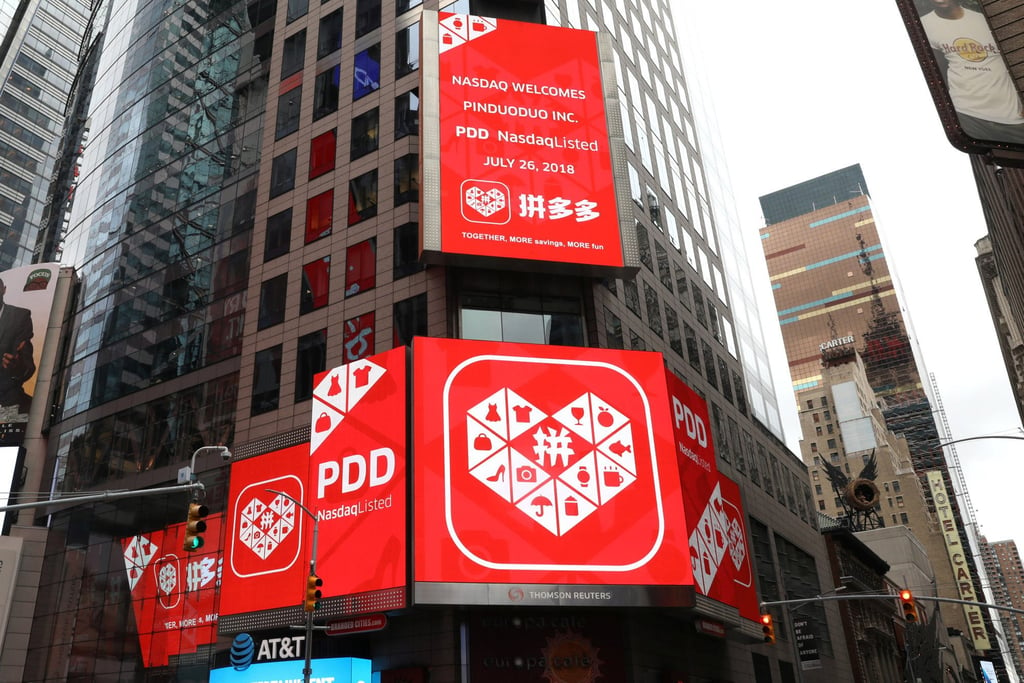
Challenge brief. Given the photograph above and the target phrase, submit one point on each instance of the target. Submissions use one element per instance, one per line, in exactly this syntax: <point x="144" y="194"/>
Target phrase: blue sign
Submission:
<point x="333" y="670"/>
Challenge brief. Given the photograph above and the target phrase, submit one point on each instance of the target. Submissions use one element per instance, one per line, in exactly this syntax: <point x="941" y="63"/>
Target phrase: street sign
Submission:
<point x="363" y="624"/>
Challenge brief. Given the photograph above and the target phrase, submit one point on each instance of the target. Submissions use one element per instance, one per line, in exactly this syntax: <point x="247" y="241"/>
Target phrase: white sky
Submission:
<point x="805" y="87"/>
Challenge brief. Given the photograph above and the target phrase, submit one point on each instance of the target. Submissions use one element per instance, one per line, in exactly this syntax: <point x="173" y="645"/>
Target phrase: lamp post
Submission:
<point x="189" y="475"/>
<point x="307" y="671"/>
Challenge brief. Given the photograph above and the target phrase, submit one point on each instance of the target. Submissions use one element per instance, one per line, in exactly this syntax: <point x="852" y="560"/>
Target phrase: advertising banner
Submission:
<point x="26" y="297"/>
<point x="525" y="160"/>
<point x="352" y="476"/>
<point x="544" y="465"/>
<point x="174" y="592"/>
<point x="335" y="670"/>
<point x="719" y="551"/>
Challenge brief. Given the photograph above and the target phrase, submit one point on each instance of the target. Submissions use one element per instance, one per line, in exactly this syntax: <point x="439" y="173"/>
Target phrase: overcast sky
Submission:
<point x="804" y="87"/>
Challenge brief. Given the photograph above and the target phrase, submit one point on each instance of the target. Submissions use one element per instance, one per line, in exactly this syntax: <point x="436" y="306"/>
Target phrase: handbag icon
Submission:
<point x="323" y="423"/>
<point x="482" y="443"/>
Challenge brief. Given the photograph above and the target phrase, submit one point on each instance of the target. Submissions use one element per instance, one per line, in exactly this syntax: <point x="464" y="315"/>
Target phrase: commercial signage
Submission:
<point x="352" y="476"/>
<point x="961" y="566"/>
<point x="174" y="592"/>
<point x="329" y="670"/>
<point x="719" y="552"/>
<point x="520" y="122"/>
<point x="547" y="468"/>
<point x="966" y="71"/>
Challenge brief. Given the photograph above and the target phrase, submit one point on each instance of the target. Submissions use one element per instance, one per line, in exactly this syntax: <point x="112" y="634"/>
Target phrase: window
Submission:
<point x="821" y="504"/>
<point x="829" y="428"/>
<point x="407" y="46"/>
<point x="723" y="372"/>
<point x="319" y="216"/>
<point x="521" y="318"/>
<point x="282" y="173"/>
<point x="407" y="179"/>
<point x="810" y="404"/>
<point x="410" y="319"/>
<point x="406" y="5"/>
<point x="358" y="337"/>
<point x="643" y="244"/>
<point x="613" y="330"/>
<point x="682" y="287"/>
<point x="698" y="308"/>
<point x="266" y="381"/>
<point x="362" y="197"/>
<point x="365" y="133"/>
<point x="816" y="417"/>
<point x="329" y="38"/>
<point x="367" y="16"/>
<point x="817" y="489"/>
<point x="325" y="92"/>
<point x="709" y="363"/>
<point x="817" y="431"/>
<point x="664" y="271"/>
<point x="312" y="358"/>
<point x="904" y="519"/>
<point x="407" y="114"/>
<point x="831" y="443"/>
<point x="293" y="54"/>
<point x="366" y="77"/>
<point x="899" y="501"/>
<point x="273" y="294"/>
<point x="322" y="150"/>
<point x="296" y="9"/>
<point x="653" y="309"/>
<point x="636" y="342"/>
<point x="672" y="327"/>
<point x="824" y="401"/>
<point x="896" y="487"/>
<point x="288" y="107"/>
<point x="407" y="249"/>
<point x="692" y="351"/>
<point x="632" y="294"/>
<point x="361" y="267"/>
<point x="279" y="235"/>
<point x="316" y="282"/>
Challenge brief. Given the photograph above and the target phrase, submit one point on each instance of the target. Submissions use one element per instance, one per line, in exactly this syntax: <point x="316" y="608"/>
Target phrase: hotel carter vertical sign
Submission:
<point x="525" y="162"/>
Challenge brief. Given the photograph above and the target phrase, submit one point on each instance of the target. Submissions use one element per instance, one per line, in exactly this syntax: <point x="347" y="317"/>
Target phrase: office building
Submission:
<point x="247" y="216"/>
<point x="1002" y="564"/>
<point x="834" y="289"/>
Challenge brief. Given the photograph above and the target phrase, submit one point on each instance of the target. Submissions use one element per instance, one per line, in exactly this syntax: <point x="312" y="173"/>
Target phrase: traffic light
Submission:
<point x="909" y="606"/>
<point x="195" y="526"/>
<point x="313" y="593"/>
<point x="768" y="628"/>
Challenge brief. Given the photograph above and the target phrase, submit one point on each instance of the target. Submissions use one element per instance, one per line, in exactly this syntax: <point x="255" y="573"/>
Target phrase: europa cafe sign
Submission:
<point x="519" y="116"/>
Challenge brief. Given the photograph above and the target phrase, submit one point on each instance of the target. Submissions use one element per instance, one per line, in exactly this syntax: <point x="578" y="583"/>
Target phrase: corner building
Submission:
<point x="247" y="216"/>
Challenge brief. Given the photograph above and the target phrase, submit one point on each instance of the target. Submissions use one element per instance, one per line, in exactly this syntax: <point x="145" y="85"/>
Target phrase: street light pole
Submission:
<point x="307" y="671"/>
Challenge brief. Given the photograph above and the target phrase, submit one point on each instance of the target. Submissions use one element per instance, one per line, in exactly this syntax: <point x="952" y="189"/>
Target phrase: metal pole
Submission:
<point x="105" y="495"/>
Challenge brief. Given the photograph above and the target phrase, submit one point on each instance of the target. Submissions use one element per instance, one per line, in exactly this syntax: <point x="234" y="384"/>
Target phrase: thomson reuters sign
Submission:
<point x="516" y="139"/>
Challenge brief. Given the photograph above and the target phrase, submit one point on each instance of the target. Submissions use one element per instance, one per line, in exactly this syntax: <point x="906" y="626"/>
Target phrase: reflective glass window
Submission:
<point x="367" y="16"/>
<point x="266" y="383"/>
<point x="362" y="197"/>
<point x="407" y="114"/>
<point x="293" y="53"/>
<point x="361" y="267"/>
<point x="322" y="150"/>
<point x="653" y="309"/>
<point x="296" y="9"/>
<point x="402" y="6"/>
<point x="311" y="359"/>
<point x="319" y="216"/>
<point x="326" y="91"/>
<point x="273" y="294"/>
<point x="279" y="235"/>
<point x="365" y="133"/>
<point x="407" y="179"/>
<point x="329" y="38"/>
<point x="289" y="105"/>
<point x="358" y="337"/>
<point x="613" y="330"/>
<point x="282" y="173"/>
<point x="366" y="77"/>
<point x="410" y="319"/>
<point x="407" y="46"/>
<point x="316" y="280"/>
<point x="406" y="253"/>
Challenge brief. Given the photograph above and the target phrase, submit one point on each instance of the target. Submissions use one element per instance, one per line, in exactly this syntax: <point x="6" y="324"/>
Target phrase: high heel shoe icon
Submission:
<point x="499" y="475"/>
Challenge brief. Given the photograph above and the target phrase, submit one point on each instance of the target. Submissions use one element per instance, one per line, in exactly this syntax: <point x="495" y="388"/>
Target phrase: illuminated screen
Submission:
<point x="336" y="670"/>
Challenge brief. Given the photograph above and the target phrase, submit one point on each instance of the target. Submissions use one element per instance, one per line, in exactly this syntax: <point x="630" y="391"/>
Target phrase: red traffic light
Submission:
<point x="909" y="607"/>
<point x="768" y="628"/>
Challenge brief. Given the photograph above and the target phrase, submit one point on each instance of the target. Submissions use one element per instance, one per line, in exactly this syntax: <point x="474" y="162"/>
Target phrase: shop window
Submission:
<point x="365" y="133"/>
<point x="407" y="249"/>
<point x="319" y="216"/>
<point x="407" y="179"/>
<point x="358" y="337"/>
<point x="329" y="38"/>
<point x="296" y="9"/>
<point x="279" y="235"/>
<point x="410" y="319"/>
<point x="367" y="16"/>
<point x="322" y="150"/>
<point x="362" y="197"/>
<point x="366" y="77"/>
<point x="361" y="267"/>
<point x="407" y="46"/>
<point x="293" y="54"/>
<point x="282" y="173"/>
<point x="316" y="284"/>
<point x="288" y="107"/>
<point x="266" y="382"/>
<point x="273" y="294"/>
<point x="402" y="6"/>
<point x="407" y="114"/>
<point x="325" y="92"/>
<point x="311" y="359"/>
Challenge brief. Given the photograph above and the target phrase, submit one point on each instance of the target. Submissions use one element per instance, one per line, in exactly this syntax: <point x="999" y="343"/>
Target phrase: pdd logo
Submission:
<point x="268" y="527"/>
<point x="718" y="533"/>
<point x="486" y="201"/>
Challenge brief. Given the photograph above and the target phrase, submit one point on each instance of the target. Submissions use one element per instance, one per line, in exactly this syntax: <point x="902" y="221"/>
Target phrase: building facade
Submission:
<point x="247" y="216"/>
<point x="1002" y="562"/>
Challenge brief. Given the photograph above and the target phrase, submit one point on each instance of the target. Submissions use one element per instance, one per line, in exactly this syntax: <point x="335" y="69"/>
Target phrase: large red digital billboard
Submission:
<point x="525" y="163"/>
<point x="174" y="592"/>
<point x="352" y="476"/>
<point x="719" y="552"/>
<point x="544" y="465"/>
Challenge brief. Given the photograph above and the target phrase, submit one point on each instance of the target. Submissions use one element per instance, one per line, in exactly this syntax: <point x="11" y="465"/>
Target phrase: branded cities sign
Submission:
<point x="516" y="139"/>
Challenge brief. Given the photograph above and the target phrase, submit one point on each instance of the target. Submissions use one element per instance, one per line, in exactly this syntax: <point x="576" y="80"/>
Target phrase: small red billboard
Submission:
<point x="544" y="465"/>
<point x="174" y="592"/>
<point x="719" y="552"/>
<point x="525" y="158"/>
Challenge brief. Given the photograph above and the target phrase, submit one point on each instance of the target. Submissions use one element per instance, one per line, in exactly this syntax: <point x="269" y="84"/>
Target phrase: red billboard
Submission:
<point x="352" y="476"/>
<point x="544" y="465"/>
<point x="174" y="592"/>
<point x="719" y="551"/>
<point x="525" y="157"/>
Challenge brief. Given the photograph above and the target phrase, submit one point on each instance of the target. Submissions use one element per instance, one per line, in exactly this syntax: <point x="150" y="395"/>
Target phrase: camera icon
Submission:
<point x="526" y="474"/>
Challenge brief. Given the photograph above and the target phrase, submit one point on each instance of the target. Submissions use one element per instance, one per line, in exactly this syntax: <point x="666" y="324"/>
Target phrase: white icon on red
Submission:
<point x="556" y="469"/>
<point x="718" y="533"/>
<point x="337" y="394"/>
<point x="458" y="29"/>
<point x="267" y="528"/>
<point x="486" y="201"/>
<point x="167" y="572"/>
<point x="138" y="553"/>
<point x="264" y="525"/>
